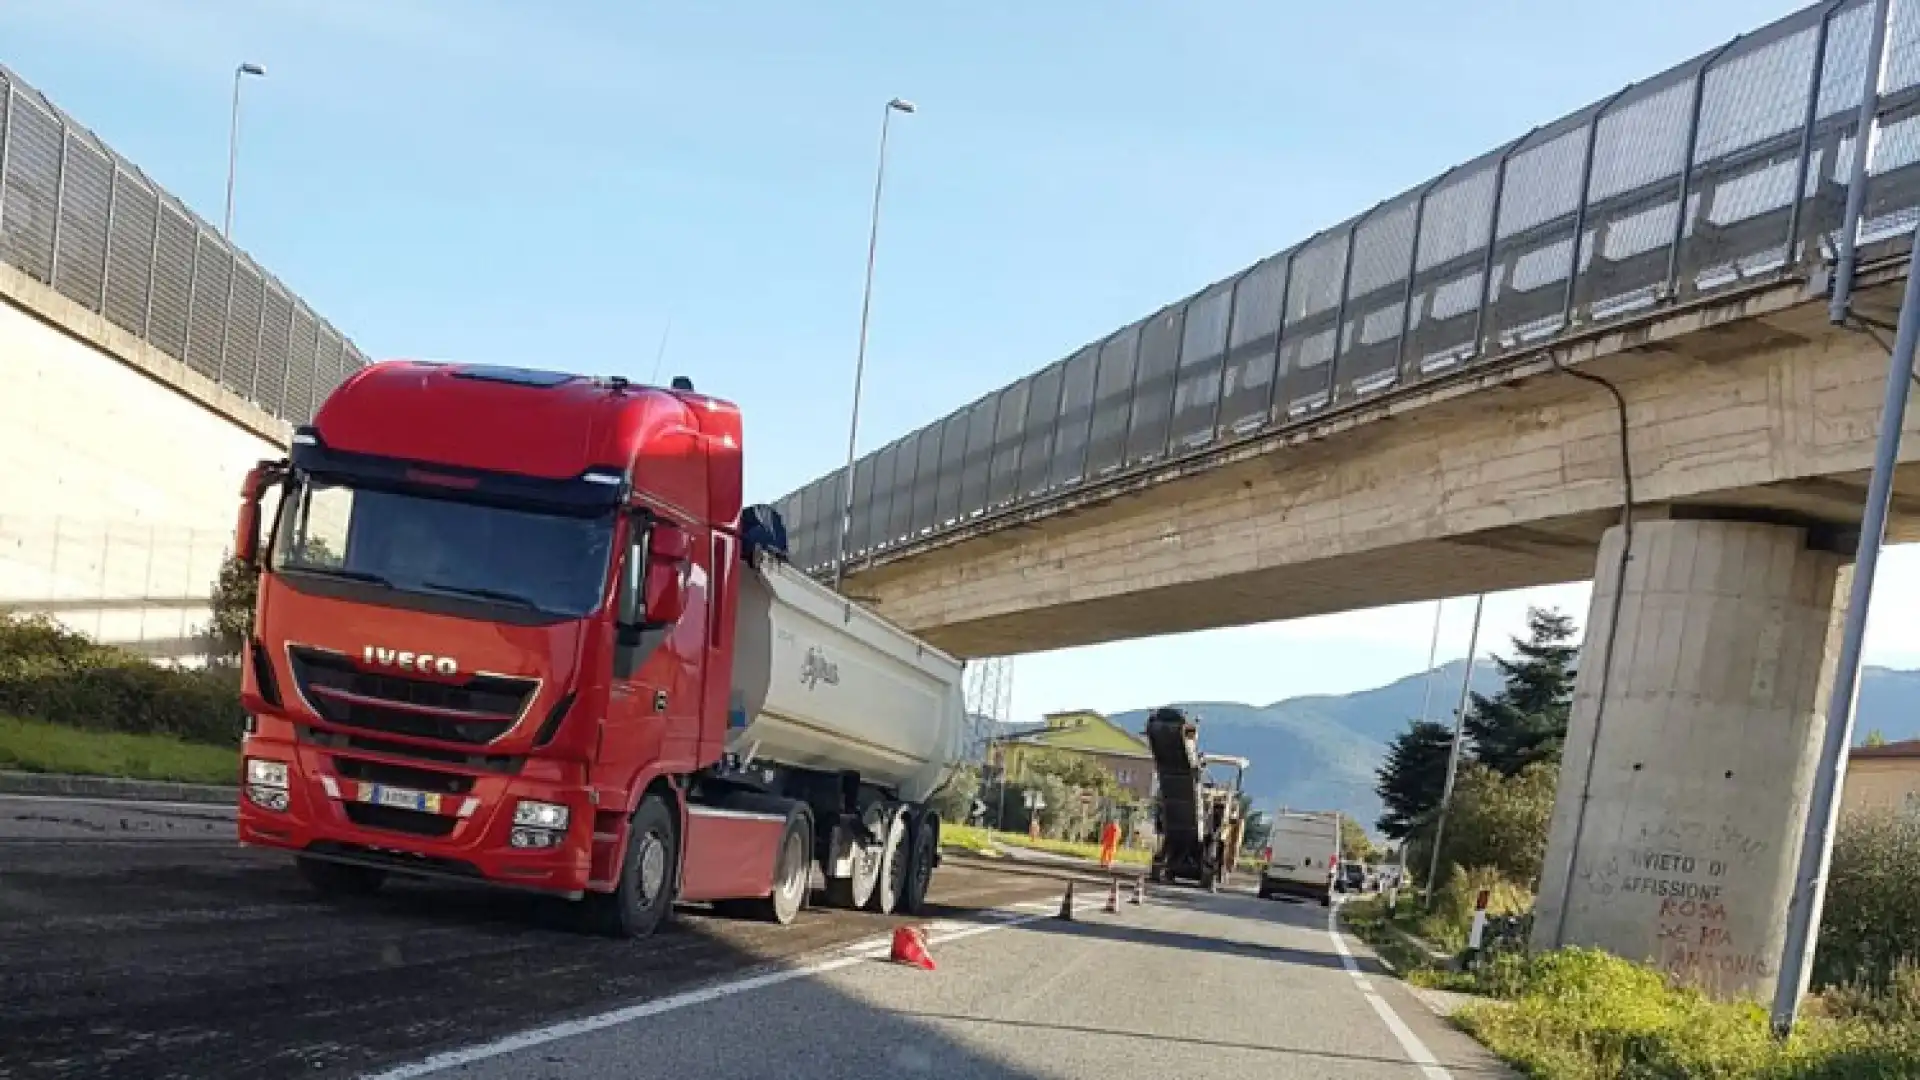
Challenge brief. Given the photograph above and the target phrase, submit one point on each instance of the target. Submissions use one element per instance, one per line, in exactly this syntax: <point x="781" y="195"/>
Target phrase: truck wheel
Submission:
<point x="640" y="903"/>
<point x="896" y="865"/>
<point x="926" y="841"/>
<point x="339" y="879"/>
<point x="792" y="874"/>
<point x="855" y="891"/>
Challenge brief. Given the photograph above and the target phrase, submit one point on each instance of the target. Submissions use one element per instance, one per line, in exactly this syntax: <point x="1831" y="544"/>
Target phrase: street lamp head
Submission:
<point x="901" y="105"/>
<point x="251" y="69"/>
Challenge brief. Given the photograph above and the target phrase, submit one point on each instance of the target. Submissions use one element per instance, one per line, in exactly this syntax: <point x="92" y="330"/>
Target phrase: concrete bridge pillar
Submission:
<point x="1709" y="719"/>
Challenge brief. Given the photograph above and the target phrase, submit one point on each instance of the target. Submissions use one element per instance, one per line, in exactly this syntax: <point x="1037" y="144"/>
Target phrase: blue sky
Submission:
<point x="552" y="183"/>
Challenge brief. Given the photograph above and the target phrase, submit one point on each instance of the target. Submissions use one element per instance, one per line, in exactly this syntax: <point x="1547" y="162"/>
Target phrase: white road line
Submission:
<point x="1417" y="1051"/>
<point x="847" y="956"/>
<point x="136" y="804"/>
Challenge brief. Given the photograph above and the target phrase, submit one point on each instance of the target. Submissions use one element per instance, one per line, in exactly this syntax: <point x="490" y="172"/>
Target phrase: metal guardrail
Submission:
<point x="1725" y="171"/>
<point x="78" y="217"/>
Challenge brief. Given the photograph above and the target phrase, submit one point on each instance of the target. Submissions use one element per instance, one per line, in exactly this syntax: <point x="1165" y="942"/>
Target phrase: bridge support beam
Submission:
<point x="1689" y="757"/>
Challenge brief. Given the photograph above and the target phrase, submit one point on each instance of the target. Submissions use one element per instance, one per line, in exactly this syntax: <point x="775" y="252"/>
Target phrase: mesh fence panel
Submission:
<point x="240" y="360"/>
<point x="80" y="251"/>
<point x="979" y="457"/>
<point x="1376" y="300"/>
<point x="1308" y="330"/>
<point x="1037" y="438"/>
<point x="1154" y="368"/>
<point x="30" y="197"/>
<point x="1071" y="434"/>
<point x="130" y="253"/>
<point x="1253" y="342"/>
<point x="1010" y="419"/>
<point x="1112" y="402"/>
<point x="1203" y="348"/>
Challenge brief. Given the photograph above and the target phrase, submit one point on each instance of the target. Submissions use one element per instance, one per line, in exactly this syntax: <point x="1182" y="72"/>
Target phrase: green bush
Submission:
<point x="1870" y="928"/>
<point x="1450" y="920"/>
<point x="50" y="673"/>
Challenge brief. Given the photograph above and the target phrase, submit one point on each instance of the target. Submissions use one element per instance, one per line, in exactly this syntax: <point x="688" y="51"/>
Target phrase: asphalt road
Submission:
<point x="1226" y="986"/>
<point x="137" y="940"/>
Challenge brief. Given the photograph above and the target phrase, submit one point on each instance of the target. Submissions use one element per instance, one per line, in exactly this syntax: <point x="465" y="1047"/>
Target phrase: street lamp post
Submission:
<point x="1453" y="751"/>
<point x="233" y="140"/>
<point x="860" y="360"/>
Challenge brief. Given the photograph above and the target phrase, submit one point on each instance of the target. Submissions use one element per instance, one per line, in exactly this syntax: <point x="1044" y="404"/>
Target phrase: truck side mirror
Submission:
<point x="666" y="590"/>
<point x="246" y="533"/>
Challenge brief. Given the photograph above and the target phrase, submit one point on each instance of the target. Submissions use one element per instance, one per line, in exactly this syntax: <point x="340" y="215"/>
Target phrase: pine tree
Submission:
<point x="1526" y="722"/>
<point x="1413" y="777"/>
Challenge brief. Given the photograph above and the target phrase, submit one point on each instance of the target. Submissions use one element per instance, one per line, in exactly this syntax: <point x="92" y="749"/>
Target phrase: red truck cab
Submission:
<point x="492" y="643"/>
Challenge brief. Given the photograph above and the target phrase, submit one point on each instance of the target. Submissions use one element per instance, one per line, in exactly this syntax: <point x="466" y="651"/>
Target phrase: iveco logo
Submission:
<point x="412" y="661"/>
<point x="818" y="669"/>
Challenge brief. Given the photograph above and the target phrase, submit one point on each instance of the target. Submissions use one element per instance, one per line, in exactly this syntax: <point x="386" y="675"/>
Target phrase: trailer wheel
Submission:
<point x="896" y="864"/>
<point x="926" y="841"/>
<point x="856" y="890"/>
<point x="642" y="900"/>
<point x="792" y="875"/>
<point x="339" y="879"/>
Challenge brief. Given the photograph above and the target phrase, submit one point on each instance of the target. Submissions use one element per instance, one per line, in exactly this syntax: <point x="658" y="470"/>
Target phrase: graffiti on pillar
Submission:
<point x="1681" y="869"/>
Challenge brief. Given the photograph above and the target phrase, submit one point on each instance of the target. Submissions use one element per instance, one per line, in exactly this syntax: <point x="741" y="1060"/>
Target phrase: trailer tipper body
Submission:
<point x="516" y="627"/>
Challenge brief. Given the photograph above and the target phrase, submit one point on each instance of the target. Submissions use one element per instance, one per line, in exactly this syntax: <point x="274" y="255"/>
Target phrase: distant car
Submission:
<point x="1353" y="877"/>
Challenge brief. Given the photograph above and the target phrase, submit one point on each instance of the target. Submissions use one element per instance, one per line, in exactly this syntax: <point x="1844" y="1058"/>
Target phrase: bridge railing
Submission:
<point x="78" y="217"/>
<point x="1728" y="170"/>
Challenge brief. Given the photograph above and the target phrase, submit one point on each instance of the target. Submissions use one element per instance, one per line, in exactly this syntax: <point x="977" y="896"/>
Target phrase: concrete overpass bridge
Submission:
<point x="144" y="365"/>
<point x="1599" y="351"/>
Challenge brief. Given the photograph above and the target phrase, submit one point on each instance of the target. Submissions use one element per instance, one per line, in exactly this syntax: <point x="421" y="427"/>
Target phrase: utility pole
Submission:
<point x="1453" y="754"/>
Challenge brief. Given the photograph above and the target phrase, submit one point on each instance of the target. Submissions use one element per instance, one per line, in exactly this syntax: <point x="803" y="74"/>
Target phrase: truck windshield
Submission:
<point x="414" y="543"/>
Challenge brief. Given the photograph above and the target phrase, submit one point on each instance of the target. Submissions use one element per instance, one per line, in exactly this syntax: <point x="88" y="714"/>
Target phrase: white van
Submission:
<point x="1303" y="855"/>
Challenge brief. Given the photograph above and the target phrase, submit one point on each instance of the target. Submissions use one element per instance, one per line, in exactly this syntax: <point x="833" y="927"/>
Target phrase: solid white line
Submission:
<point x="858" y="953"/>
<point x="137" y="804"/>
<point x="1417" y="1051"/>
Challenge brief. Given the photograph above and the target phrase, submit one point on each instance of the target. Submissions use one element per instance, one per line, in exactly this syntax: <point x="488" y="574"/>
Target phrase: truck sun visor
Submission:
<point x="596" y="490"/>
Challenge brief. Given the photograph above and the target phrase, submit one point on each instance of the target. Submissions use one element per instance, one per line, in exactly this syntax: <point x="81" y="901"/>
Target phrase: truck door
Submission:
<point x="654" y="707"/>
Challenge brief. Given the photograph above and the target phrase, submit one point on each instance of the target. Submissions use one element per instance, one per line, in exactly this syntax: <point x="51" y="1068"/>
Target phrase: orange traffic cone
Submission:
<point x="1066" y="903"/>
<point x="1139" y="891"/>
<point x="1113" y="897"/>
<point x="910" y="948"/>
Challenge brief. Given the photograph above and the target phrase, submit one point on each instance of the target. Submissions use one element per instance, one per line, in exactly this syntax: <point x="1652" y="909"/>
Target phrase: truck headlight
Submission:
<point x="540" y="815"/>
<point x="272" y="774"/>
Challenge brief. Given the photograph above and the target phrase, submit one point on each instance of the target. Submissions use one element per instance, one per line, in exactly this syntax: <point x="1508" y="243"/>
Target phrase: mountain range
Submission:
<point x="1320" y="752"/>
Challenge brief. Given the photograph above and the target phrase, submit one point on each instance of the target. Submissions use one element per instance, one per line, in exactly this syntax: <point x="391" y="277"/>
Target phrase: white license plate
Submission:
<point x="400" y="798"/>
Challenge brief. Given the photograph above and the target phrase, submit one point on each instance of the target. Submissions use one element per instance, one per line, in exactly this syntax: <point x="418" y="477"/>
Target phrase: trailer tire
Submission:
<point x="644" y="897"/>
<point x="792" y="878"/>
<point x="896" y="863"/>
<point x="855" y="891"/>
<point x="926" y="845"/>
<point x="339" y="879"/>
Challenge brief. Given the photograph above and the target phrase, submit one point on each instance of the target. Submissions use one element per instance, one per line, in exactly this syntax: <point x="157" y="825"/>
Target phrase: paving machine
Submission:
<point x="1197" y="819"/>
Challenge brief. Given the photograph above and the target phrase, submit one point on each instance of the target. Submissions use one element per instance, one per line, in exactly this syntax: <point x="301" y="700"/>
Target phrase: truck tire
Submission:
<point x="792" y="876"/>
<point x="855" y="891"/>
<point x="896" y="864"/>
<point x="644" y="896"/>
<point x="339" y="879"/>
<point x="926" y="849"/>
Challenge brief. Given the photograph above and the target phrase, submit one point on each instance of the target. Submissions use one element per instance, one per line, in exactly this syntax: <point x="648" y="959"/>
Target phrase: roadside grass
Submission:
<point x="1130" y="856"/>
<point x="42" y="747"/>
<point x="968" y="838"/>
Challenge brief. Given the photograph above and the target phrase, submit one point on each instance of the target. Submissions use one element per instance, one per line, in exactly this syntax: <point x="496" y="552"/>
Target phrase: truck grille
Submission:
<point x="475" y="711"/>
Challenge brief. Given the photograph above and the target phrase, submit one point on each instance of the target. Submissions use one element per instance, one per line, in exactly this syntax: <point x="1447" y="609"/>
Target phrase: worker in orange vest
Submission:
<point x="1109" y="843"/>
